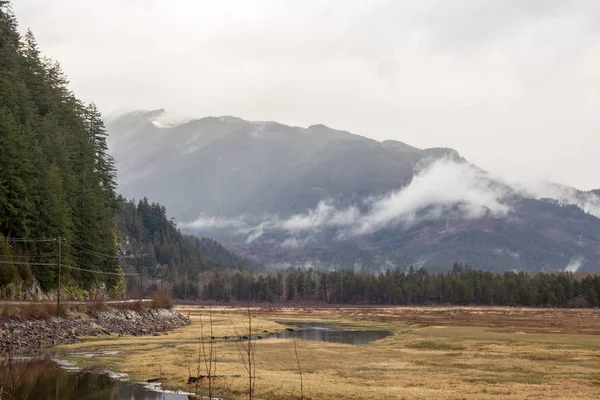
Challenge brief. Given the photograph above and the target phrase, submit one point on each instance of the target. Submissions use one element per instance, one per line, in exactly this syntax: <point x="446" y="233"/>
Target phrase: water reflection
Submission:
<point x="43" y="379"/>
<point x="324" y="333"/>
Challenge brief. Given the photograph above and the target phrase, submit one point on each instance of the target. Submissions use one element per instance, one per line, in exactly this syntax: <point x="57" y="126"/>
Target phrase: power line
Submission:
<point x="95" y="253"/>
<point x="100" y="272"/>
<point x="70" y="267"/>
<point x="92" y="252"/>
<point x="27" y="263"/>
<point x="159" y="271"/>
<point x="80" y="264"/>
<point x="28" y="240"/>
<point x="20" y="256"/>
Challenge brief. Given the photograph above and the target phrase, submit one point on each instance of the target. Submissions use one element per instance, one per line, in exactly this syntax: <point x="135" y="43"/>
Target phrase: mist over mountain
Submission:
<point x="329" y="198"/>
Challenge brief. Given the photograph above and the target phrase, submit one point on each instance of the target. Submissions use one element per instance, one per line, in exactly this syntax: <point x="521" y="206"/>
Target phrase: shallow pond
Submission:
<point x="325" y="333"/>
<point x="36" y="378"/>
<point x="44" y="379"/>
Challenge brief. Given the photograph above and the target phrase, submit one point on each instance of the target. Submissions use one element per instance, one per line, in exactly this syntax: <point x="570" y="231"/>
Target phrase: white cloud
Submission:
<point x="207" y="222"/>
<point x="442" y="185"/>
<point x="444" y="189"/>
<point x="589" y="202"/>
<point x="574" y="265"/>
<point x="324" y="215"/>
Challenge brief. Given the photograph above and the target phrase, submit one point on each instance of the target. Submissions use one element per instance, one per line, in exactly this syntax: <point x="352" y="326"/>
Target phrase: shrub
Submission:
<point x="162" y="299"/>
<point x="28" y="311"/>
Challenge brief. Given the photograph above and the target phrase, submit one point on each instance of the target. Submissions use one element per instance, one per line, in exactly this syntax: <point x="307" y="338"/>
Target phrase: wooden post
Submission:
<point x="185" y="286"/>
<point x="59" y="273"/>
<point x="141" y="284"/>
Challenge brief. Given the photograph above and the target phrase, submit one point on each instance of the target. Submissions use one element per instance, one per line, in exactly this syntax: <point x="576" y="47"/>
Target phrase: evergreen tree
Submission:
<point x="56" y="176"/>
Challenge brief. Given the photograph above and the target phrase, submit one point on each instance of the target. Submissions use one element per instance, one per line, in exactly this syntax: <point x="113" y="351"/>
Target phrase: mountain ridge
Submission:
<point x="293" y="193"/>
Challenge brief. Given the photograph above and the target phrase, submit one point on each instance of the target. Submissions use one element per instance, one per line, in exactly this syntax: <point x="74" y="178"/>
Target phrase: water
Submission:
<point x="35" y="378"/>
<point x="325" y="333"/>
<point x="44" y="379"/>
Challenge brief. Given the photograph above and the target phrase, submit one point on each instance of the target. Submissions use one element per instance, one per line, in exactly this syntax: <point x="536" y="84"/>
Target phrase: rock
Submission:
<point x="19" y="335"/>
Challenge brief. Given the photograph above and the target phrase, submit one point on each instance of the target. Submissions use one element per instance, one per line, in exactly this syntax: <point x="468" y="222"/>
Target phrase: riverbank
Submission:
<point x="24" y="335"/>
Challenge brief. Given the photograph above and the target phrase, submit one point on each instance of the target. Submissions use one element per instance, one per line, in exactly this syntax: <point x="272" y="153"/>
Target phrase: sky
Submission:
<point x="513" y="85"/>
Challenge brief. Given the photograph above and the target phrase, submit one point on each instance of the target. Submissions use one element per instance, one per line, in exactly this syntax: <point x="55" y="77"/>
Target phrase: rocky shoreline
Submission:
<point x="19" y="336"/>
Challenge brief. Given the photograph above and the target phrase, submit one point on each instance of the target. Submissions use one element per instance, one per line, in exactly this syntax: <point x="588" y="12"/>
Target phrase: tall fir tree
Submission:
<point x="57" y="179"/>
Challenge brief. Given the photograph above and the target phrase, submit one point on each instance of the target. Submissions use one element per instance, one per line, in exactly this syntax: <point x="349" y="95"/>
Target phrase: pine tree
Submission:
<point x="56" y="176"/>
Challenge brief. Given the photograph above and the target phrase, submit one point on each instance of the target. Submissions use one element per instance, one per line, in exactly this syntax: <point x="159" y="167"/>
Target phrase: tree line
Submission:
<point x="462" y="285"/>
<point x="57" y="179"/>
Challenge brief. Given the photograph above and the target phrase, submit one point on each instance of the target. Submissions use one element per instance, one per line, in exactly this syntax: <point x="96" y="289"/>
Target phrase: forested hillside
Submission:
<point x="150" y="240"/>
<point x="57" y="179"/>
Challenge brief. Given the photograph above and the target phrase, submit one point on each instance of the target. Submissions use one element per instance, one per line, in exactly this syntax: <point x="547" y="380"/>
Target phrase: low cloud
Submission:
<point x="574" y="265"/>
<point x="206" y="223"/>
<point x="296" y="243"/>
<point x="501" y="251"/>
<point x="446" y="188"/>
<point x="589" y="202"/>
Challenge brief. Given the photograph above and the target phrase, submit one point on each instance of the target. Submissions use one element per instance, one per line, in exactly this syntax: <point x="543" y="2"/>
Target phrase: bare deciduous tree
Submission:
<point x="299" y="370"/>
<point x="246" y="350"/>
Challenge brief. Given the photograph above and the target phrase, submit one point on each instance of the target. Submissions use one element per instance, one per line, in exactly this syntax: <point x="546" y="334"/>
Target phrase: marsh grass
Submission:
<point x="445" y="360"/>
<point x="31" y="311"/>
<point x="433" y="345"/>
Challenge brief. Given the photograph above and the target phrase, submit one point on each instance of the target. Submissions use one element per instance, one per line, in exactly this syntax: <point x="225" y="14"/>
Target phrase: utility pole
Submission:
<point x="141" y="284"/>
<point x="185" y="287"/>
<point x="59" y="273"/>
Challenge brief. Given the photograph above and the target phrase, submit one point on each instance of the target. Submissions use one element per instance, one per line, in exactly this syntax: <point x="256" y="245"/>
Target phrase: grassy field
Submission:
<point x="434" y="353"/>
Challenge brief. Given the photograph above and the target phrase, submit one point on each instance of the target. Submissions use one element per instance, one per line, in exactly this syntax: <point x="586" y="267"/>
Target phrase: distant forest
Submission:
<point x="463" y="285"/>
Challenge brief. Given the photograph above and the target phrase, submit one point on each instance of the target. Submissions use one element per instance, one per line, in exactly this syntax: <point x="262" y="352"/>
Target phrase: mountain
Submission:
<point x="228" y="166"/>
<point x="329" y="198"/>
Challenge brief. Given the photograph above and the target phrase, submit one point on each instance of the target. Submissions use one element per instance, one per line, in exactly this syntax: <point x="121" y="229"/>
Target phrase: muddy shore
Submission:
<point x="28" y="335"/>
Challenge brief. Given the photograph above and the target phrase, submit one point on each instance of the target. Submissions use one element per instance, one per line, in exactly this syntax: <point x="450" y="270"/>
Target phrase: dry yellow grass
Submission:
<point x="435" y="353"/>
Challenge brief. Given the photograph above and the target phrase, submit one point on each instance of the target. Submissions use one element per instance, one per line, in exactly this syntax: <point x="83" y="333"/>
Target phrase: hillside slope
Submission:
<point x="150" y="240"/>
<point x="57" y="180"/>
<point x="228" y="166"/>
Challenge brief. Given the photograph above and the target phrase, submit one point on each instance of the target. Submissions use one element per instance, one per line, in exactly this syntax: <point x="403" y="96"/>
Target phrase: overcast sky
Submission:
<point x="513" y="85"/>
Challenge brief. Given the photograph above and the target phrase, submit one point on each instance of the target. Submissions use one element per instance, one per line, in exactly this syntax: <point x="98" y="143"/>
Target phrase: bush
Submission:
<point x="162" y="299"/>
<point x="578" y="302"/>
<point x="8" y="274"/>
<point x="96" y="307"/>
<point x="28" y="311"/>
